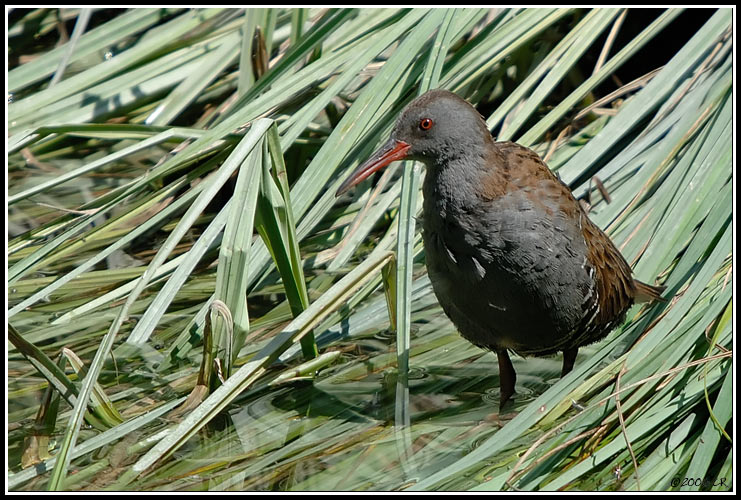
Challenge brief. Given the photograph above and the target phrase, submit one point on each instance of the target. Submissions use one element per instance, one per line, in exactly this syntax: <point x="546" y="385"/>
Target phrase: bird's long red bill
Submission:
<point x="391" y="151"/>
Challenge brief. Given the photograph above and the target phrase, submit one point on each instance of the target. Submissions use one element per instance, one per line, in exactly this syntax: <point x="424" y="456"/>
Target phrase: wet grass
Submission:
<point x="190" y="308"/>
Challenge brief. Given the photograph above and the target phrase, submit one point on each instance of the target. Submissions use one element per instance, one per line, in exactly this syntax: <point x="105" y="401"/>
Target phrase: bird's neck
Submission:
<point x="457" y="186"/>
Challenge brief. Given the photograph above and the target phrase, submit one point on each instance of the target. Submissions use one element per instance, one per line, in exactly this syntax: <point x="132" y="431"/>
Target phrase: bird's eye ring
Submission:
<point x="426" y="123"/>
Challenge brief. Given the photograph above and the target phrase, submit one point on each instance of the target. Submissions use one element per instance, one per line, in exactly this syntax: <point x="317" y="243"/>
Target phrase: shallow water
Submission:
<point x="356" y="426"/>
<point x="359" y="427"/>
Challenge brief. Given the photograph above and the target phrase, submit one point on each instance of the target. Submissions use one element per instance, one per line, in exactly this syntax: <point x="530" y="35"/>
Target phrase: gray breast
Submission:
<point x="509" y="275"/>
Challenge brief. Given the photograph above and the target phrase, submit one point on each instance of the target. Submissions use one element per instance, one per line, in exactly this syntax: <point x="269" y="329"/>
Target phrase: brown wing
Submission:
<point x="615" y="286"/>
<point x="520" y="168"/>
<point x="613" y="276"/>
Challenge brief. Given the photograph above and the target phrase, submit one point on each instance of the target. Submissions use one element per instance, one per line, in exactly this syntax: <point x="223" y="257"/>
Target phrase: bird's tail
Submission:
<point x="648" y="293"/>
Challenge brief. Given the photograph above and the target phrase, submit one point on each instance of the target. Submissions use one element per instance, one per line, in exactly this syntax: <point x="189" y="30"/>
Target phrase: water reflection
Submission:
<point x="359" y="426"/>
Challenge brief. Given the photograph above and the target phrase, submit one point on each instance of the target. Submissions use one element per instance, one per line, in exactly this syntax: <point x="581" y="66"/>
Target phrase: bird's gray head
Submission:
<point x="436" y="128"/>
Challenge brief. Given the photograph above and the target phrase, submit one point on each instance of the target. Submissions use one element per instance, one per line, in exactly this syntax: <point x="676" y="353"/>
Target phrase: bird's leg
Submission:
<point x="569" y="357"/>
<point x="507" y="377"/>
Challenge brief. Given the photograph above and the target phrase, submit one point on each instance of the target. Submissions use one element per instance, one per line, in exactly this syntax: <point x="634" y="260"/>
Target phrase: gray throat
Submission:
<point x="453" y="189"/>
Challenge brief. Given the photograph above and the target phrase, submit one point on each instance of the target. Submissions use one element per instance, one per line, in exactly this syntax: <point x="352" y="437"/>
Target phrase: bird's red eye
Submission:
<point x="426" y="124"/>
